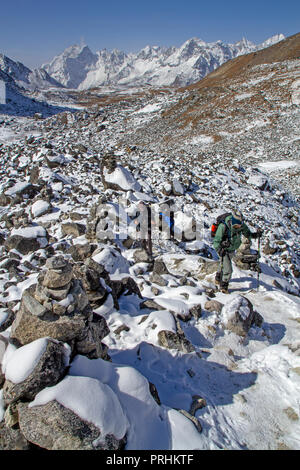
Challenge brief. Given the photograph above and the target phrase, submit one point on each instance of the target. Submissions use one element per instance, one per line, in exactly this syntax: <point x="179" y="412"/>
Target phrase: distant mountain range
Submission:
<point x="79" y="68"/>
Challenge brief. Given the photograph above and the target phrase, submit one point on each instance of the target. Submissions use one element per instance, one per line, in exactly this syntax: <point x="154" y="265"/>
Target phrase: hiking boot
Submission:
<point x="224" y="287"/>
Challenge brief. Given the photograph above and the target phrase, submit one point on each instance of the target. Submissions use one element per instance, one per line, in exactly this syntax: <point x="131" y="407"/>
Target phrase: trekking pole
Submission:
<point x="258" y="267"/>
<point x="221" y="270"/>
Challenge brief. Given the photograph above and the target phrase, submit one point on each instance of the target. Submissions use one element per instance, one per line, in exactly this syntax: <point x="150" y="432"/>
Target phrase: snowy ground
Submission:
<point x="251" y="385"/>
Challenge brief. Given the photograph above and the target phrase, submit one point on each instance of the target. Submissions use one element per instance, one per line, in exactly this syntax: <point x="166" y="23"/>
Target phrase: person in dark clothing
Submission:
<point x="166" y="219"/>
<point x="226" y="241"/>
<point x="145" y="227"/>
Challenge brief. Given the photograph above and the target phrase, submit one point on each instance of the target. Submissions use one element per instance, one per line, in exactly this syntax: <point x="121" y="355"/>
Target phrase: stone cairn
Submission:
<point x="55" y="310"/>
<point x="58" y="306"/>
<point x="244" y="259"/>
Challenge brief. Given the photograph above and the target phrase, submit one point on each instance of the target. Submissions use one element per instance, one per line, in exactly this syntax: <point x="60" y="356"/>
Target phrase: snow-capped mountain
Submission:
<point x="24" y="77"/>
<point x="78" y="67"/>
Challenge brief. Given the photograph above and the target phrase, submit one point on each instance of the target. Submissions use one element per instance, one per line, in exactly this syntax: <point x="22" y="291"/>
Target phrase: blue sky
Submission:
<point x="34" y="31"/>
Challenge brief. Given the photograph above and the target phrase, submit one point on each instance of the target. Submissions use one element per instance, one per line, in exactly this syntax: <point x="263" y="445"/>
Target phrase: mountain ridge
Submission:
<point x="78" y="67"/>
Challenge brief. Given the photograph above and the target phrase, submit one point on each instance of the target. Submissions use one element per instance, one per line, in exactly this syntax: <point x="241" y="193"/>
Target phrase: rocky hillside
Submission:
<point x="246" y="110"/>
<point x="102" y="347"/>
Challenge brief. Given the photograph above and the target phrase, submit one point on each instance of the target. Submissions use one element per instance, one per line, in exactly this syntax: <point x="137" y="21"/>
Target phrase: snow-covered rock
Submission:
<point x="238" y="315"/>
<point x="33" y="367"/>
<point x="79" y="413"/>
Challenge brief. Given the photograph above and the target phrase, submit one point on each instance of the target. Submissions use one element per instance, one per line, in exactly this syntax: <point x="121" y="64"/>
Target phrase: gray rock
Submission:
<point x="121" y="328"/>
<point x="43" y="294"/>
<point x="4" y="200"/>
<point x="54" y="427"/>
<point x="159" y="267"/>
<point x="196" y="311"/>
<point x="6" y="323"/>
<point x="57" y="278"/>
<point x="194" y="420"/>
<point x="80" y="252"/>
<point x="80" y="299"/>
<point x="140" y="256"/>
<point x="34" y="175"/>
<point x="126" y="286"/>
<point x="238" y="316"/>
<point x="11" y="415"/>
<point x="73" y="228"/>
<point x="151" y="304"/>
<point x="171" y="340"/>
<point x="56" y="262"/>
<point x="213" y="306"/>
<point x="22" y="244"/>
<point x="197" y="404"/>
<point x="47" y="372"/>
<point x="12" y="439"/>
<point x="178" y="188"/>
<point x="3" y="346"/>
<point x="89" y="342"/>
<point x="157" y="279"/>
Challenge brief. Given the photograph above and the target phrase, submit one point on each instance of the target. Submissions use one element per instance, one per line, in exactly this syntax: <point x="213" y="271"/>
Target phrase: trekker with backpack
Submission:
<point x="144" y="227"/>
<point x="227" y="239"/>
<point x="166" y="218"/>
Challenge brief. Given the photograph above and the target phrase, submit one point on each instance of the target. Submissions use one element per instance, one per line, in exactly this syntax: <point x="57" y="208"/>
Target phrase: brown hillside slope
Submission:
<point x="248" y="110"/>
<point x="287" y="49"/>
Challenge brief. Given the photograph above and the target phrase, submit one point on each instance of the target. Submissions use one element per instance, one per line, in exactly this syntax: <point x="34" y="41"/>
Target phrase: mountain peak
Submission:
<point x="77" y="66"/>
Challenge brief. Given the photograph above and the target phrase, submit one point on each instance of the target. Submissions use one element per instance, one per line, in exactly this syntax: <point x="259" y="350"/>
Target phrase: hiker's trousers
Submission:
<point x="226" y="266"/>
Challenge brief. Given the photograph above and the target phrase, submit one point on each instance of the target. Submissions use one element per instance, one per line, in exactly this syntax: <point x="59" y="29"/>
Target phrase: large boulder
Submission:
<point x="40" y="207"/>
<point x="22" y="244"/>
<point x="79" y="413"/>
<point x="115" y="176"/>
<point x="89" y="342"/>
<point x="33" y="367"/>
<point x="73" y="228"/>
<point x="258" y="180"/>
<point x="171" y="340"/>
<point x="27" y="240"/>
<point x="23" y="188"/>
<point x="191" y="265"/>
<point x="238" y="316"/>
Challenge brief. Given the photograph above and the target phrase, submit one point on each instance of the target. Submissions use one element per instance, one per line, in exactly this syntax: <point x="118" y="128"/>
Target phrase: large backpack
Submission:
<point x="220" y="220"/>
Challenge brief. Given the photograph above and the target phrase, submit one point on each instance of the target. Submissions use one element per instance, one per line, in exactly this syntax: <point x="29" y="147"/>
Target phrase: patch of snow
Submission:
<point x="150" y="108"/>
<point x="278" y="165"/>
<point x="30" y="232"/>
<point x="201" y="140"/>
<point x="89" y="399"/>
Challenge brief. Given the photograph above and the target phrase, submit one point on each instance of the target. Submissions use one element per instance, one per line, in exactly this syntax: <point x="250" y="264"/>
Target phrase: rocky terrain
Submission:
<point x="102" y="347"/>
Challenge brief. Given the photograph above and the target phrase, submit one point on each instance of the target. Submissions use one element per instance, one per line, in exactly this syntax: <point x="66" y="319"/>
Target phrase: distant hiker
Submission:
<point x="166" y="218"/>
<point x="227" y="240"/>
<point x="144" y="226"/>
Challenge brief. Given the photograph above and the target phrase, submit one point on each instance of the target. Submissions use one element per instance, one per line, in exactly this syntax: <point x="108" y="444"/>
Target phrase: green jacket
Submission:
<point x="234" y="235"/>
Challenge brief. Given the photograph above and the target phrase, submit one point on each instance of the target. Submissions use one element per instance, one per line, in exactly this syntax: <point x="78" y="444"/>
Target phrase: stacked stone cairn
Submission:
<point x="55" y="310"/>
<point x="244" y="259"/>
